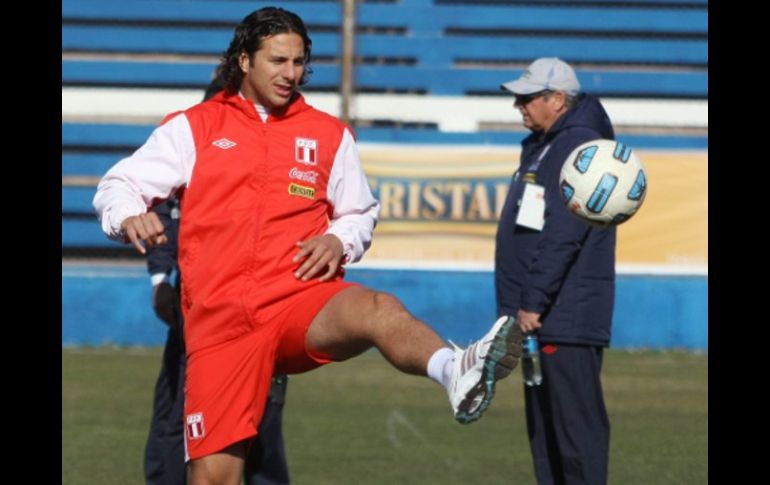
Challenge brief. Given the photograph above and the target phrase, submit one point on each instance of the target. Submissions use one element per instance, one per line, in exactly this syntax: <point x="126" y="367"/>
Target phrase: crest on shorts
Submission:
<point x="306" y="151"/>
<point x="195" y="429"/>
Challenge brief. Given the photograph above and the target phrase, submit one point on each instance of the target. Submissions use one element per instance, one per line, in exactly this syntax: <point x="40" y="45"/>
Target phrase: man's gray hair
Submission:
<point x="570" y="100"/>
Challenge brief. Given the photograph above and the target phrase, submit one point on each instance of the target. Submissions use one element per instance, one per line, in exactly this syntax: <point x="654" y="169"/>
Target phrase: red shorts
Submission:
<point x="228" y="383"/>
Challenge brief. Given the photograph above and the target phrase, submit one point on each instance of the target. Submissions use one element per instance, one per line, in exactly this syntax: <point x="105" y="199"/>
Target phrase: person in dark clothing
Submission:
<point x="557" y="275"/>
<point x="164" y="461"/>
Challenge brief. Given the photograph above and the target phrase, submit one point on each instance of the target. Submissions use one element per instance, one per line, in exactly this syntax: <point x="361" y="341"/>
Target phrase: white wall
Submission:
<point x="451" y="113"/>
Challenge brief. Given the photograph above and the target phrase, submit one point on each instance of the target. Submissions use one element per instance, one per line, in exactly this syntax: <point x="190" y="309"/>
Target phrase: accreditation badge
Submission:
<point x="532" y="208"/>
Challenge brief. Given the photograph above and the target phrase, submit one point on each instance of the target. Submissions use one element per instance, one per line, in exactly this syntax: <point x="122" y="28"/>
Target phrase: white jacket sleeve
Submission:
<point x="155" y="171"/>
<point x="355" y="208"/>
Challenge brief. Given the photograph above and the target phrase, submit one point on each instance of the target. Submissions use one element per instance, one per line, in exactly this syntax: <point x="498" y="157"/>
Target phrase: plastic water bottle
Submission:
<point x="530" y="361"/>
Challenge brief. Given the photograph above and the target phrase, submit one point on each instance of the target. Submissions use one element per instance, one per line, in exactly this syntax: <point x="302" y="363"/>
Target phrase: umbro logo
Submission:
<point x="224" y="143"/>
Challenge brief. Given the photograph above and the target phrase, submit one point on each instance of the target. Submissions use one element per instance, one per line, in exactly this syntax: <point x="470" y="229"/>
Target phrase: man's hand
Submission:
<point x="528" y="321"/>
<point x="145" y="228"/>
<point x="319" y="253"/>
<point x="165" y="302"/>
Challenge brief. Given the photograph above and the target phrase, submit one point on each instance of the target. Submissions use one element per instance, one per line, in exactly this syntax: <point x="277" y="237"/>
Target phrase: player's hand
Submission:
<point x="165" y="302"/>
<point x="320" y="254"/>
<point x="145" y="228"/>
<point x="528" y="321"/>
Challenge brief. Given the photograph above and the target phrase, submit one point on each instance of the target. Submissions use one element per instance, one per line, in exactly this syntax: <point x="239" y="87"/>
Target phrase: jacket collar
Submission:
<point x="295" y="106"/>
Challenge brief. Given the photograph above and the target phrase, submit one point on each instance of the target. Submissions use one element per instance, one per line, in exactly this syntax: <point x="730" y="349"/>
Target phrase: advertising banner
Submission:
<point x="443" y="204"/>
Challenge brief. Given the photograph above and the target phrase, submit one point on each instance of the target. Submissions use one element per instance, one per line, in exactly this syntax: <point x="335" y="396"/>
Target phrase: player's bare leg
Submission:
<point x="356" y="319"/>
<point x="223" y="468"/>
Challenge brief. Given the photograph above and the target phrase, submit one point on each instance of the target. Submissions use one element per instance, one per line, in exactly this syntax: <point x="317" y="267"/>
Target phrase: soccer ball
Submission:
<point x="603" y="182"/>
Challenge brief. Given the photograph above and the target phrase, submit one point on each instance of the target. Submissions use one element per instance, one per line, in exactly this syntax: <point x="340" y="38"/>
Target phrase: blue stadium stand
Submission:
<point x="625" y="49"/>
<point x="419" y="46"/>
<point x="443" y="81"/>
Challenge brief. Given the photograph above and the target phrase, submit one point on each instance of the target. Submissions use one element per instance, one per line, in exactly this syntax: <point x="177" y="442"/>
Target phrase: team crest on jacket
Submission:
<point x="195" y="429"/>
<point x="306" y="151"/>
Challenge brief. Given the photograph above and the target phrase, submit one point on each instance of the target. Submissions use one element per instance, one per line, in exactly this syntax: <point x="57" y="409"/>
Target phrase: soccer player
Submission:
<point x="275" y="203"/>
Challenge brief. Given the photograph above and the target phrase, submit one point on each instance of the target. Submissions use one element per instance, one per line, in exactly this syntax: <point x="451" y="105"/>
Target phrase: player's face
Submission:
<point x="273" y="74"/>
<point x="541" y="110"/>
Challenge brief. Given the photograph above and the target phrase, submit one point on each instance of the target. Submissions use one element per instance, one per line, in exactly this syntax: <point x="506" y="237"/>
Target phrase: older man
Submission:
<point x="557" y="274"/>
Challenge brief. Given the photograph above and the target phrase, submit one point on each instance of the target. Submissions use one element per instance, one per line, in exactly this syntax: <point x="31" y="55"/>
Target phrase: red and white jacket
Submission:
<point x="252" y="189"/>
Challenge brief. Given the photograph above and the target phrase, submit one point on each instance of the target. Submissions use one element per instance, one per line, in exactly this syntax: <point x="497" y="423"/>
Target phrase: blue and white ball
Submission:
<point x="603" y="182"/>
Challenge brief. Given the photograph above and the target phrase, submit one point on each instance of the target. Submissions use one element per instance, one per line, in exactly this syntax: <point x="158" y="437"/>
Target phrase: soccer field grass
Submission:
<point x="361" y="422"/>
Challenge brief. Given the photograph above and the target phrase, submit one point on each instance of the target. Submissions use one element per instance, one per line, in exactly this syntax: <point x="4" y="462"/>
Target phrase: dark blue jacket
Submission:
<point x="566" y="272"/>
<point x="162" y="259"/>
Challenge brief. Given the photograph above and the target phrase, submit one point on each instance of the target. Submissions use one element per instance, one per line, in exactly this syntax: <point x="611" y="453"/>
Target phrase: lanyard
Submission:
<point x="535" y="166"/>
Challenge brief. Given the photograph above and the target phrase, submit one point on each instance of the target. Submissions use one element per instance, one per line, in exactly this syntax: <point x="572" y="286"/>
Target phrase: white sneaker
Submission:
<point x="476" y="369"/>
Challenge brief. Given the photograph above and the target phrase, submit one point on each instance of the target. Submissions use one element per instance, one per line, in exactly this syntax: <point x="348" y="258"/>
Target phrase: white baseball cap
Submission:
<point x="549" y="73"/>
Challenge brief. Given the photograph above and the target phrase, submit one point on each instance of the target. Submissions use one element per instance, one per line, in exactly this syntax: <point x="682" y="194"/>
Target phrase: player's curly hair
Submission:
<point x="248" y="37"/>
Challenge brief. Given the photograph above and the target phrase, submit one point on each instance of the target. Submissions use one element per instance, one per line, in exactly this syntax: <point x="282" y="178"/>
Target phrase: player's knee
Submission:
<point x="387" y="304"/>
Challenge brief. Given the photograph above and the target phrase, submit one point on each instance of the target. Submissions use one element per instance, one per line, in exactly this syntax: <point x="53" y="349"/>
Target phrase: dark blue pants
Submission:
<point x="164" y="453"/>
<point x="569" y="432"/>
